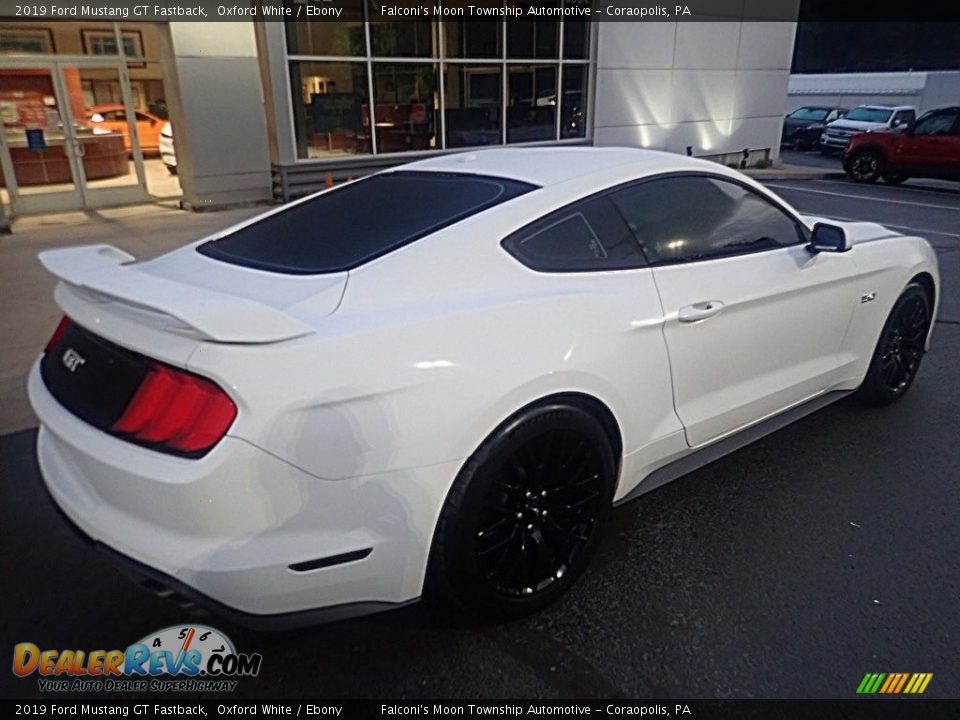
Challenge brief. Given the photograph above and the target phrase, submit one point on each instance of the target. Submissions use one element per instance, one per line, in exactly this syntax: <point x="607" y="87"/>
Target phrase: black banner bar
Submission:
<point x="479" y="10"/>
<point x="867" y="709"/>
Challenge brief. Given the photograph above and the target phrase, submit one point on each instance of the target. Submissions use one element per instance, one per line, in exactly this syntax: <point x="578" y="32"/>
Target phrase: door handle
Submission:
<point x="699" y="311"/>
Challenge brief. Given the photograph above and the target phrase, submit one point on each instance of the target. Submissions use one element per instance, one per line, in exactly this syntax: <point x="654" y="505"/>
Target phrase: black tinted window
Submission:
<point x="936" y="124"/>
<point x="351" y="225"/>
<point x="695" y="218"/>
<point x="583" y="237"/>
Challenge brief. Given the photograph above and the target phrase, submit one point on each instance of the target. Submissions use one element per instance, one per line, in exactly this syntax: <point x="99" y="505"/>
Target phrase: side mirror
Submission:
<point x="828" y="238"/>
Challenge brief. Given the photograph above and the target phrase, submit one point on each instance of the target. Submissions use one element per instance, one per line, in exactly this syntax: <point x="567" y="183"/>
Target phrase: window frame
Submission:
<point x="803" y="232"/>
<point x="952" y="130"/>
<point x="903" y="117"/>
<point x="285" y="93"/>
<point x="514" y="236"/>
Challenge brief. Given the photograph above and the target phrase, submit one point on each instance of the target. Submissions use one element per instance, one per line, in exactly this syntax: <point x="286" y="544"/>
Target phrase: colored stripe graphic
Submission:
<point x="903" y="681"/>
<point x="891" y="680"/>
<point x="894" y="683"/>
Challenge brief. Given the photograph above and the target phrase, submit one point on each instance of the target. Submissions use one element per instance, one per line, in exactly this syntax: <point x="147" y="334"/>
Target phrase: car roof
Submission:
<point x="887" y="107"/>
<point x="547" y="166"/>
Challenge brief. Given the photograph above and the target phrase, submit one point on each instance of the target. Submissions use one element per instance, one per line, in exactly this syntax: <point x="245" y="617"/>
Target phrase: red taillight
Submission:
<point x="55" y="338"/>
<point x="176" y="410"/>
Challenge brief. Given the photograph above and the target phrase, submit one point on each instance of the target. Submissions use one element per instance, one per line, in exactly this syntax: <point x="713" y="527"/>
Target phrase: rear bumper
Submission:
<point x="169" y="588"/>
<point x="239" y="529"/>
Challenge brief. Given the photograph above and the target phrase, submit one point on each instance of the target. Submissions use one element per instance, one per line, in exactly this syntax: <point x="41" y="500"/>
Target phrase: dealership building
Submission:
<point x="272" y="109"/>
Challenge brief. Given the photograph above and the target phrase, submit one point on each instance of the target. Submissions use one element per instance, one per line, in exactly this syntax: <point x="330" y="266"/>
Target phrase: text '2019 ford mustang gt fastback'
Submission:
<point x="438" y="379"/>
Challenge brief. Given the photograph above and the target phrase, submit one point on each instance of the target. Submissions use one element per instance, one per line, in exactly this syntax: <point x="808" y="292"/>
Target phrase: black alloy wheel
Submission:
<point x="866" y="166"/>
<point x="538" y="516"/>
<point x="524" y="514"/>
<point x="900" y="348"/>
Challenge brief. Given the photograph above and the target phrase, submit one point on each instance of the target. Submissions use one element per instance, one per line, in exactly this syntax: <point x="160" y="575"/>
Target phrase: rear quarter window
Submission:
<point x="584" y="237"/>
<point x="349" y="226"/>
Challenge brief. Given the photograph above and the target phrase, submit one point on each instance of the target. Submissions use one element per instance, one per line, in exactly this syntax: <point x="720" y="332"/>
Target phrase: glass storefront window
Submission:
<point x="472" y="39"/>
<point x="494" y="82"/>
<point x="405" y="108"/>
<point x="329" y="108"/>
<point x="409" y="38"/>
<point x="576" y="39"/>
<point x="473" y="105"/>
<point x="533" y="39"/>
<point x="330" y="38"/>
<point x="573" y="102"/>
<point x="532" y="103"/>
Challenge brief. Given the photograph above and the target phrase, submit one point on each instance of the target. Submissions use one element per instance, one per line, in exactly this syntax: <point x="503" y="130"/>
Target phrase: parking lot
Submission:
<point x="788" y="569"/>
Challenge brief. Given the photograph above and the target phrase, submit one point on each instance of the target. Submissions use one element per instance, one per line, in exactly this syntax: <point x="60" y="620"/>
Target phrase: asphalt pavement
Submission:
<point x="788" y="569"/>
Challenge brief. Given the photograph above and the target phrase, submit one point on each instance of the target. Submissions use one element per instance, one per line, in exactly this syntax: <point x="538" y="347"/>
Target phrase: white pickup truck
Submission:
<point x="864" y="118"/>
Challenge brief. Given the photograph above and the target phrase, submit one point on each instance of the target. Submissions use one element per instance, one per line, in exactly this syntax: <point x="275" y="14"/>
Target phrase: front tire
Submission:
<point x="899" y="350"/>
<point x="866" y="166"/>
<point x="524" y="515"/>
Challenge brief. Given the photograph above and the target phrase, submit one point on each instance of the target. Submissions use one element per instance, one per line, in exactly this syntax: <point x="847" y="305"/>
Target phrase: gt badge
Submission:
<point x="72" y="360"/>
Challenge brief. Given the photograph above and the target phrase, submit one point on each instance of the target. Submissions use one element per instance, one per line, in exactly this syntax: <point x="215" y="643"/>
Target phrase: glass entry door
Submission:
<point x="58" y="149"/>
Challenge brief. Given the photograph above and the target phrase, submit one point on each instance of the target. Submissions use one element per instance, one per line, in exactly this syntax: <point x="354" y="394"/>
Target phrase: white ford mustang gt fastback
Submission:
<point x="438" y="379"/>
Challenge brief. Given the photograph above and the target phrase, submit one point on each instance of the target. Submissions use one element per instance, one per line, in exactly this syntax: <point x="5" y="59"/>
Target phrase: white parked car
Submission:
<point x="439" y="378"/>
<point x="167" y="152"/>
<point x="865" y="118"/>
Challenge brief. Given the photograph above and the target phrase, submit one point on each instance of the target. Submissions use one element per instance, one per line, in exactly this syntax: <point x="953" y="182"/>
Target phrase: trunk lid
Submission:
<point x="186" y="293"/>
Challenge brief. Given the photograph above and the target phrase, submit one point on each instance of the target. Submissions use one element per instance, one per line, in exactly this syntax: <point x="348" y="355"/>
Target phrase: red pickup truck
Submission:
<point x="930" y="147"/>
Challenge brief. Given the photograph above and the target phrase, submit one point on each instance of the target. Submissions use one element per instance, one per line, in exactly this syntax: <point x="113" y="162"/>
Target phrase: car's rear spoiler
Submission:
<point x="217" y="316"/>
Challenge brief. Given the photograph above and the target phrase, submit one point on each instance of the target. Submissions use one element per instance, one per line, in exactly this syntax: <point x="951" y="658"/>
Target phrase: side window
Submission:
<point x="831" y="116"/>
<point x="938" y="124"/>
<point x="903" y="117"/>
<point x="584" y="237"/>
<point x="687" y="218"/>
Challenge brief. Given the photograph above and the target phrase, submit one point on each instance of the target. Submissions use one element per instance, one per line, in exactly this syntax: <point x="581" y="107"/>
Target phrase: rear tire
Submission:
<point x="899" y="350"/>
<point x="524" y="515"/>
<point x="866" y="166"/>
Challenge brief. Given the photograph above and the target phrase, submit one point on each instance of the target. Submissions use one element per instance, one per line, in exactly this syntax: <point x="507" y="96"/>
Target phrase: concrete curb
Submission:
<point x="793" y="173"/>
